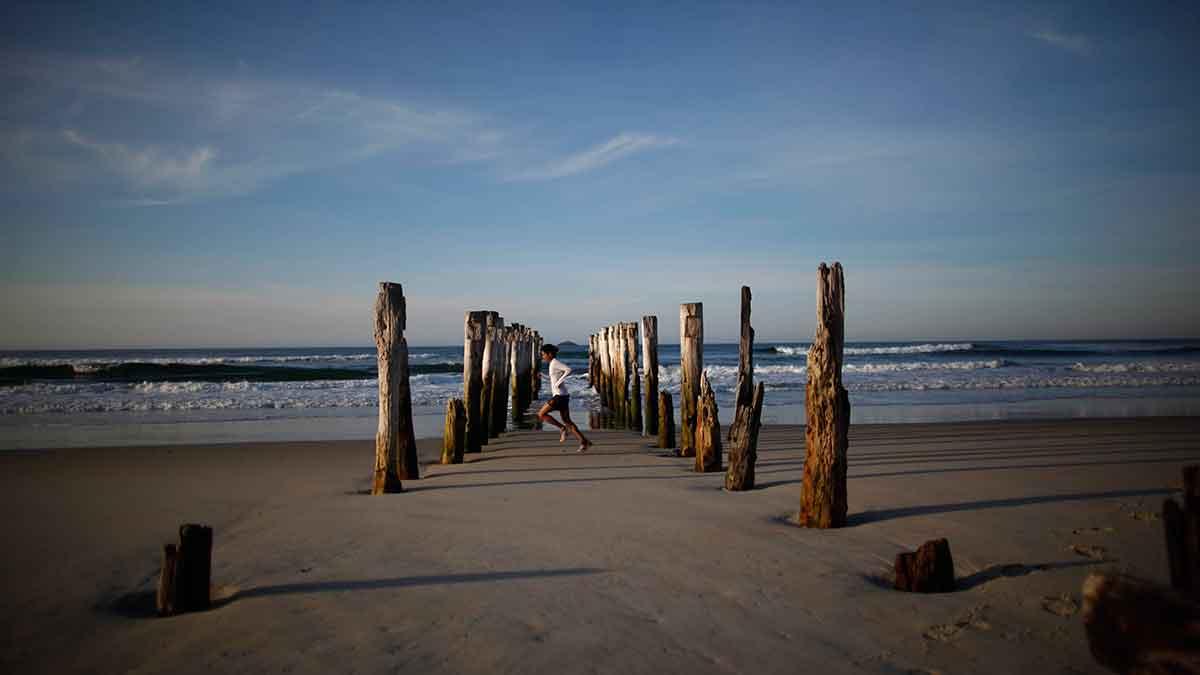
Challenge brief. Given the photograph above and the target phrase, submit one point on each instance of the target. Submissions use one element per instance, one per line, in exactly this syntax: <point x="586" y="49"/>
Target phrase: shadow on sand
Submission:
<point x="1006" y="571"/>
<point x="878" y="515"/>
<point x="140" y="604"/>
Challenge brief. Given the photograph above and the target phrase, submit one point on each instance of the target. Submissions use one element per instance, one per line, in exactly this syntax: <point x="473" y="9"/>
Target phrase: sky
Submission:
<point x="244" y="175"/>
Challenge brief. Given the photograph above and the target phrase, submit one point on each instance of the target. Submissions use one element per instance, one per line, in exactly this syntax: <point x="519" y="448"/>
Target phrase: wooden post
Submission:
<point x="193" y="568"/>
<point x="493" y="324"/>
<point x="605" y="379"/>
<point x="708" y="430"/>
<point x="164" y="600"/>
<point x="827" y="409"/>
<point x="454" y="433"/>
<point x="503" y="383"/>
<point x="930" y="569"/>
<point x="666" y="421"/>
<point x="1182" y="528"/>
<point x="743" y="451"/>
<point x="635" y="380"/>
<point x="514" y="368"/>
<point x="535" y="365"/>
<point x="395" y="445"/>
<point x="474" y="333"/>
<point x="691" y="365"/>
<point x="650" y="368"/>
<point x="743" y="396"/>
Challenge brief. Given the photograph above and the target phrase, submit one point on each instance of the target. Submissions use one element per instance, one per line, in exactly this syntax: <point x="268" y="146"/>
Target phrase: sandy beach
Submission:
<point x="530" y="559"/>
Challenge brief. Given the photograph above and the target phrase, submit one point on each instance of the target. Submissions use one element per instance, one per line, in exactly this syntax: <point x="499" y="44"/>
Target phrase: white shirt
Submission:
<point x="558" y="376"/>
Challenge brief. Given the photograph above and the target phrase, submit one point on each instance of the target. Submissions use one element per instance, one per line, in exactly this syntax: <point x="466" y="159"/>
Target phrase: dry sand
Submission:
<point x="527" y="559"/>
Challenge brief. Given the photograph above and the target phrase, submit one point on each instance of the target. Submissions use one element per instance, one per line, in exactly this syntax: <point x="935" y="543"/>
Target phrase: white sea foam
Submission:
<point x="1149" y="367"/>
<point x="90" y="364"/>
<point x="923" y="365"/>
<point x="929" y="348"/>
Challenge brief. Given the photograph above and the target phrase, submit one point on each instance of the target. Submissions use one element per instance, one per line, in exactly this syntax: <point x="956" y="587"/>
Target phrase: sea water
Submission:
<point x="97" y="397"/>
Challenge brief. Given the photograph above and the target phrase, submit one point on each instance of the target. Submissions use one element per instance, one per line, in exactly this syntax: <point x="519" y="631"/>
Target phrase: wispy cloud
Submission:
<point x="1071" y="42"/>
<point x="616" y="148"/>
<point x="152" y="135"/>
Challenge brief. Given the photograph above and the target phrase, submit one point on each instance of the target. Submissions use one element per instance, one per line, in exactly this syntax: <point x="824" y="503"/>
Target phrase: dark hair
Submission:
<point x="550" y="349"/>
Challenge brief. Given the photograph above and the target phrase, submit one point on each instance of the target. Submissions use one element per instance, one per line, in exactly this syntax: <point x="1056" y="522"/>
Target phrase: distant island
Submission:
<point x="567" y="343"/>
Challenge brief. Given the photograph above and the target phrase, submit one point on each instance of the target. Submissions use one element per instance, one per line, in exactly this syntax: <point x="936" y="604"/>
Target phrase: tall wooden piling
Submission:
<point x="395" y="445"/>
<point x="454" y="432"/>
<point x="650" y="376"/>
<point x="666" y="421"/>
<point x="602" y="355"/>
<point x="474" y="336"/>
<point x="535" y="365"/>
<point x="514" y="366"/>
<point x="490" y="368"/>
<point x="827" y="409"/>
<point x="635" y="380"/>
<point x="708" y="430"/>
<point x="743" y="396"/>
<point x="743" y="432"/>
<point x="691" y="365"/>
<point x="504" y="383"/>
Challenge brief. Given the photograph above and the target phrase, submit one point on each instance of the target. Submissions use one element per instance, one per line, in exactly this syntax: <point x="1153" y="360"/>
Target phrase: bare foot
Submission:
<point x="583" y="447"/>
<point x="562" y="436"/>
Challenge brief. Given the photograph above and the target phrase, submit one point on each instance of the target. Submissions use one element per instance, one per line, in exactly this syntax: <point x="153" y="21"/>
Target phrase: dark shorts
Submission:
<point x="560" y="403"/>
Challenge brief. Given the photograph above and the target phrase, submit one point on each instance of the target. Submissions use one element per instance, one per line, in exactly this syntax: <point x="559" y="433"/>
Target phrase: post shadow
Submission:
<point x="864" y="517"/>
<point x="140" y="604"/>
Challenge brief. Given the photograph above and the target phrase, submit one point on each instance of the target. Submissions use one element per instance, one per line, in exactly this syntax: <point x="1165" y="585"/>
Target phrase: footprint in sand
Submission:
<point x="1060" y="605"/>
<point x="1088" y="551"/>
<point x="1093" y="530"/>
<point x="946" y="632"/>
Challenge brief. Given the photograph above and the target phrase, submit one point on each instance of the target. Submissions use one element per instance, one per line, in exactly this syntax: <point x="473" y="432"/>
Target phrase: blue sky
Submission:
<point x="229" y="175"/>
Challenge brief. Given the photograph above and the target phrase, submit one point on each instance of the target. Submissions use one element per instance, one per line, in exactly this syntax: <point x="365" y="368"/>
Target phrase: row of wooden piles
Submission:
<point x="499" y="363"/>
<point x="613" y="368"/>
<point x="614" y="373"/>
<point x="635" y="401"/>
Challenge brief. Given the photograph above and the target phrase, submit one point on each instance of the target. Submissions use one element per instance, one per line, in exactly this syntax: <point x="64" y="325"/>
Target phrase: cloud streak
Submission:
<point x="148" y="135"/>
<point x="1071" y="42"/>
<point x="616" y="148"/>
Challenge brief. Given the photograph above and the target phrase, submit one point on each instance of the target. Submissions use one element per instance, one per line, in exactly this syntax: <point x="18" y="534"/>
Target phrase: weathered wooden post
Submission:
<point x="454" y="432"/>
<point x="747" y="416"/>
<point x="708" y="430"/>
<point x="494" y="324"/>
<point x="193" y="568"/>
<point x="929" y="569"/>
<point x="499" y="398"/>
<point x="605" y="389"/>
<point x="1181" y="524"/>
<point x="743" y="395"/>
<point x="635" y="380"/>
<point x="185" y="581"/>
<point x="691" y="365"/>
<point x="474" y="334"/>
<point x="395" y="445"/>
<point x="743" y="451"/>
<point x="650" y="366"/>
<point x="514" y="369"/>
<point x="827" y="409"/>
<point x="535" y="365"/>
<point x="164" y="599"/>
<point x="666" y="421"/>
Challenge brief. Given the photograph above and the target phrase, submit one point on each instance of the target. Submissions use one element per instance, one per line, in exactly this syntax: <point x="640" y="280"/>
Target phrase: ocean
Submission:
<point x="150" y="396"/>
